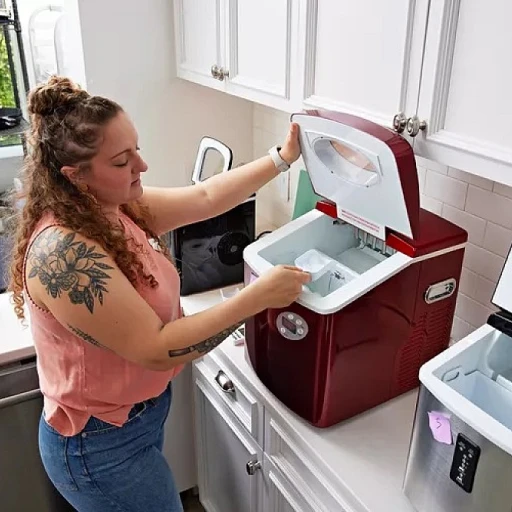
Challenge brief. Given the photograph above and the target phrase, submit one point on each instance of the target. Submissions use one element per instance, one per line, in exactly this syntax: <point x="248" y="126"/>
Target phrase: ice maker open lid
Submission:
<point x="502" y="298"/>
<point x="366" y="170"/>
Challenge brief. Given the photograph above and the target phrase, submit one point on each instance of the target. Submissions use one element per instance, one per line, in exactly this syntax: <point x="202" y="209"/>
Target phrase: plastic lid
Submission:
<point x="503" y="293"/>
<point x="367" y="170"/>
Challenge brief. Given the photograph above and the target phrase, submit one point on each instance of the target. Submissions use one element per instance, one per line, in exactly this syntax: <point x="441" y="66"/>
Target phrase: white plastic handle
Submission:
<point x="206" y="144"/>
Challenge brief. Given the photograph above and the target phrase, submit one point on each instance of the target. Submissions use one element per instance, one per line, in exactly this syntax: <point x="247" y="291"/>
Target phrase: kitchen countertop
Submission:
<point x="15" y="338"/>
<point x="365" y="455"/>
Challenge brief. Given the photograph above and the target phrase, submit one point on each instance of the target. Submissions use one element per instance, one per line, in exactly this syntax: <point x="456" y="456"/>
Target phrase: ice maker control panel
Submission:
<point x="465" y="460"/>
<point x="291" y="326"/>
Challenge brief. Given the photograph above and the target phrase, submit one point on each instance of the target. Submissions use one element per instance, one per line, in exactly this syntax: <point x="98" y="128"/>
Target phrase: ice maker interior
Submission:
<point x="482" y="374"/>
<point x="352" y="250"/>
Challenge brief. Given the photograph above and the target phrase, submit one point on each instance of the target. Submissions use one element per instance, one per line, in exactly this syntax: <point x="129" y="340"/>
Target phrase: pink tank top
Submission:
<point x="79" y="380"/>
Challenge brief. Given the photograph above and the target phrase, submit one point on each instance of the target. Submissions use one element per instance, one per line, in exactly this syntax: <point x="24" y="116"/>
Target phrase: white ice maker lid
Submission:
<point x="366" y="170"/>
<point x="503" y="293"/>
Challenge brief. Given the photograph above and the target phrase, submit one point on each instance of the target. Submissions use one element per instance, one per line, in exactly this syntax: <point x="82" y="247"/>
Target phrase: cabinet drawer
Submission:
<point x="288" y="458"/>
<point x="234" y="394"/>
<point x="281" y="495"/>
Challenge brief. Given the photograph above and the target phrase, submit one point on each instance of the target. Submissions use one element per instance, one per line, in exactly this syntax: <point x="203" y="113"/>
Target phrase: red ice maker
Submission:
<point x="385" y="276"/>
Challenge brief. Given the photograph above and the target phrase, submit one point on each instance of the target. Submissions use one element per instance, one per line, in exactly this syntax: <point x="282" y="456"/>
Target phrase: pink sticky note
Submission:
<point x="440" y="426"/>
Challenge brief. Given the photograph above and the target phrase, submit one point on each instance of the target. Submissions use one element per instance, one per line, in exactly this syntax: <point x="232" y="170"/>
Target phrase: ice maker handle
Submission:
<point x="207" y="144"/>
<point x="345" y="161"/>
<point x="21" y="397"/>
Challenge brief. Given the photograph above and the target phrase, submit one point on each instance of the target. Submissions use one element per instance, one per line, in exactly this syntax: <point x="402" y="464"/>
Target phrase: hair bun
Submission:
<point x="57" y="92"/>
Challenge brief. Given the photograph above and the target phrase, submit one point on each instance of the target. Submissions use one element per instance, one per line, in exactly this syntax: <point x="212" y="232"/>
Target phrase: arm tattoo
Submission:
<point x="65" y="265"/>
<point x="84" y="336"/>
<point x="205" y="346"/>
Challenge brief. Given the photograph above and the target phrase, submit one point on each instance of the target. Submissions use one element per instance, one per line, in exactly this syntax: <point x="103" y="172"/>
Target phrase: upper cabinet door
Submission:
<point x="466" y="87"/>
<point x="260" y="40"/>
<point x="363" y="57"/>
<point x="199" y="41"/>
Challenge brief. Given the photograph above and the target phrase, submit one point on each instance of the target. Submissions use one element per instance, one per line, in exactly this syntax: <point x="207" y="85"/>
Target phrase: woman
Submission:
<point x="104" y="303"/>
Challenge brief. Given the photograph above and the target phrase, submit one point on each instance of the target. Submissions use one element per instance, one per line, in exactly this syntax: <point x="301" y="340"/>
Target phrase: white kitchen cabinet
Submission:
<point x="239" y="468"/>
<point x="465" y="87"/>
<point x="441" y="64"/>
<point x="260" y="50"/>
<point x="229" y="460"/>
<point x="233" y="472"/>
<point x="280" y="494"/>
<point x="240" y="47"/>
<point x="436" y="71"/>
<point x="199" y="29"/>
<point x="363" y="57"/>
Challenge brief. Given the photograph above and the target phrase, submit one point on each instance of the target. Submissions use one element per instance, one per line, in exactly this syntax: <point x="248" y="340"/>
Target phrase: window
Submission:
<point x="7" y="98"/>
<point x="13" y="76"/>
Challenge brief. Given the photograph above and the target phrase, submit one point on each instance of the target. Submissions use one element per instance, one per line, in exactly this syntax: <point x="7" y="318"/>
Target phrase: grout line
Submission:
<point x="491" y="252"/>
<point x="466" y="322"/>
<point x="489" y="306"/>
<point x="466" y="196"/>
<point x="494" y="191"/>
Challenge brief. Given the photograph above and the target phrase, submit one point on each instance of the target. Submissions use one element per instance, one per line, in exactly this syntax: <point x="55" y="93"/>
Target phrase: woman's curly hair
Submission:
<point x="66" y="130"/>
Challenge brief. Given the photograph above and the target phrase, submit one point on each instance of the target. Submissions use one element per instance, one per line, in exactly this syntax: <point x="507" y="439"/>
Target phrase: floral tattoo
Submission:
<point x="65" y="265"/>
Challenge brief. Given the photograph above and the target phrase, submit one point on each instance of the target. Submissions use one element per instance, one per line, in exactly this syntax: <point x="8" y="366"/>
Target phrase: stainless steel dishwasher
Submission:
<point x="24" y="486"/>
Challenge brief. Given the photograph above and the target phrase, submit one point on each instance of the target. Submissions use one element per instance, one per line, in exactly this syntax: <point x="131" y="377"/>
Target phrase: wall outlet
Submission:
<point x="283" y="183"/>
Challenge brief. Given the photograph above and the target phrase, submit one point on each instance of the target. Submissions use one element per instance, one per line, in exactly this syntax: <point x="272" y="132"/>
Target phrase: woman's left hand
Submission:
<point x="290" y="150"/>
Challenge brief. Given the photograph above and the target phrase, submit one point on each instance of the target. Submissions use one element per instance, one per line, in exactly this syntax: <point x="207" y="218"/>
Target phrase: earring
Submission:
<point x="82" y="187"/>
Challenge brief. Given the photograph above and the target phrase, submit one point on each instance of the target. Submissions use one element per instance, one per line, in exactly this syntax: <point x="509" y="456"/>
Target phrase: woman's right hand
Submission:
<point x="279" y="287"/>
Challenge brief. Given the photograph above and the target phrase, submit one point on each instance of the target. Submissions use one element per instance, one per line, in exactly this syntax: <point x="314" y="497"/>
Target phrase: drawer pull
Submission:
<point x="225" y="382"/>
<point x="252" y="466"/>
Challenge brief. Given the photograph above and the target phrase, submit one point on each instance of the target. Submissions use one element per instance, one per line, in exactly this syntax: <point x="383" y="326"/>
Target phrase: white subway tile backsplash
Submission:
<point x="497" y="239"/>
<point x="477" y="287"/>
<point x="469" y="310"/>
<point x="446" y="189"/>
<point x="272" y="121"/>
<point x="259" y="117"/>
<point x="432" y="166"/>
<point x="421" y="162"/>
<point x="431" y="204"/>
<point x="262" y="138"/>
<point x="489" y="206"/>
<point x="482" y="262"/>
<point x="503" y="190"/>
<point x="475" y="226"/>
<point x="461" y="329"/>
<point x="472" y="179"/>
<point x="422" y="174"/>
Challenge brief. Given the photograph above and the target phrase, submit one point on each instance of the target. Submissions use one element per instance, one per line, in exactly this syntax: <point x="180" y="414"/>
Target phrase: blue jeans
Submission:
<point x="114" y="469"/>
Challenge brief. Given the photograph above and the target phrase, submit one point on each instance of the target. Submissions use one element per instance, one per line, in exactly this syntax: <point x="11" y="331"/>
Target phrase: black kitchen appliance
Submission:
<point x="209" y="253"/>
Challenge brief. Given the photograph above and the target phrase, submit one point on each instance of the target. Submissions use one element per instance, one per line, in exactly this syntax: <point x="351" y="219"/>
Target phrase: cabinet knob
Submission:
<point x="399" y="122"/>
<point x="225" y="382"/>
<point x="215" y="71"/>
<point x="252" y="466"/>
<point x="414" y="125"/>
<point x="223" y="74"/>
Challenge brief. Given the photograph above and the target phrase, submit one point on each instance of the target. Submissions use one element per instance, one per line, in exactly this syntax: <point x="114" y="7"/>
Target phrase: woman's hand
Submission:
<point x="290" y="151"/>
<point x="278" y="287"/>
